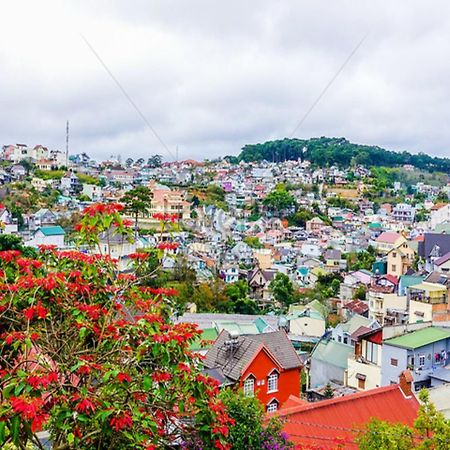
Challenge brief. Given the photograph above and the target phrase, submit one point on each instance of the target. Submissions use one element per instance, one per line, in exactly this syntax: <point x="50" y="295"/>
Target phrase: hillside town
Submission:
<point x="324" y="292"/>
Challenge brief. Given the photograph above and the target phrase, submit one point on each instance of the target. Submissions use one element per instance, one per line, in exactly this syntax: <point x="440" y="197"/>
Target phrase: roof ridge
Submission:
<point x="345" y="398"/>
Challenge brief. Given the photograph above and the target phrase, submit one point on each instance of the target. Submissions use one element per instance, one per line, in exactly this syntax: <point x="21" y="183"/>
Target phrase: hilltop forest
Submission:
<point x="325" y="151"/>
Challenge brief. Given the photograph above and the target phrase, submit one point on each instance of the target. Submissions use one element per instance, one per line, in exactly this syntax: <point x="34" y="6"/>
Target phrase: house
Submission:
<point x="333" y="260"/>
<point x="423" y="351"/>
<point x="403" y="212"/>
<point x="259" y="281"/>
<point x="440" y="216"/>
<point x="230" y="273"/>
<point x="264" y="365"/>
<point x="399" y="260"/>
<point x="334" y="423"/>
<point x="329" y="362"/>
<point x="92" y="191"/>
<point x="432" y="247"/>
<point x="41" y="218"/>
<point x="315" y="225"/>
<point x="388" y="240"/>
<point x="116" y="246"/>
<point x="307" y="320"/>
<point x="384" y="303"/>
<point x="343" y="332"/>
<point x="48" y="235"/>
<point x="442" y="264"/>
<point x="364" y="365"/>
<point x="428" y="302"/>
<point x="71" y="184"/>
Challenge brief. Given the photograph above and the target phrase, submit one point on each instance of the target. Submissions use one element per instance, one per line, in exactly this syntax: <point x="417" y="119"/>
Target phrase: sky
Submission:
<point x="210" y="77"/>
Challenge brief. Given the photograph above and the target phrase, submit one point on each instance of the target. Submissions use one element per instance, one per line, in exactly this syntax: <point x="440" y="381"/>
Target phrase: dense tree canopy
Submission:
<point x="326" y="151"/>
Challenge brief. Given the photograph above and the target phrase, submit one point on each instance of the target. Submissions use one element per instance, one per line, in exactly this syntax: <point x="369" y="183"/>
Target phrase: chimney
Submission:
<point x="405" y="381"/>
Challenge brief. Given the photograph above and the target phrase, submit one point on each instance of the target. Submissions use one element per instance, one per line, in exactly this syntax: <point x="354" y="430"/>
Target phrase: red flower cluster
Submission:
<point x="139" y="256"/>
<point x="121" y="422"/>
<point x="85" y="406"/>
<point x="30" y="409"/>
<point x="103" y="209"/>
<point x="9" y="255"/>
<point x="123" y="377"/>
<point x="161" y="377"/>
<point x="165" y="217"/>
<point x="42" y="381"/>
<point x="168" y="245"/>
<point x="35" y="311"/>
<point x="46" y="248"/>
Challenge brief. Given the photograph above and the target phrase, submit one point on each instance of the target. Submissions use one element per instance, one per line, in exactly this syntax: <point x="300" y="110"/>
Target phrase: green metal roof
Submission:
<point x="374" y="225"/>
<point x="419" y="338"/>
<point x="332" y="352"/>
<point x="354" y="323"/>
<point x="52" y="231"/>
<point x="410" y="280"/>
<point x="208" y="334"/>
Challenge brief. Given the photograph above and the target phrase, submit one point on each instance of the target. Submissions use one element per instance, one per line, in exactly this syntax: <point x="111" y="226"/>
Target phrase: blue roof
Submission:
<point x="51" y="231"/>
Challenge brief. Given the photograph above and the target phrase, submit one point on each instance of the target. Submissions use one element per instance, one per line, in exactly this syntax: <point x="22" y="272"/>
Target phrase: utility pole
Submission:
<point x="177" y="154"/>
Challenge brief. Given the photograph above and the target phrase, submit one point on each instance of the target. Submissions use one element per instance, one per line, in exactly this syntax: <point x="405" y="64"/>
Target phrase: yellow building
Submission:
<point x="399" y="260"/>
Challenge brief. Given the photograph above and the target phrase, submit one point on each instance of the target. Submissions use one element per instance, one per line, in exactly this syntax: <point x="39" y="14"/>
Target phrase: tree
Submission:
<point x="329" y="391"/>
<point x="91" y="356"/>
<point x="140" y="161"/>
<point x="279" y="200"/>
<point x="282" y="289"/>
<point x="300" y="217"/>
<point x="430" y="431"/>
<point x="129" y="162"/>
<point x="137" y="202"/>
<point x="155" y="161"/>
<point x="251" y="430"/>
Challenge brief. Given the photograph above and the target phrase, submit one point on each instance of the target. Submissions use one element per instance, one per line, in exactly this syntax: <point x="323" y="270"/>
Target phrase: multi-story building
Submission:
<point x="423" y="352"/>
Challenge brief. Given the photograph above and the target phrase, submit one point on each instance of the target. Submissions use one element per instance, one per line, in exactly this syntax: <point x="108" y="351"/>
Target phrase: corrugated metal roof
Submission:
<point x="324" y="424"/>
<point x="419" y="338"/>
<point x="332" y="352"/>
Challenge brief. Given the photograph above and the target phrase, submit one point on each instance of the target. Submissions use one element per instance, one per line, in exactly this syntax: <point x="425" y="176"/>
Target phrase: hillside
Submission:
<point x="325" y="151"/>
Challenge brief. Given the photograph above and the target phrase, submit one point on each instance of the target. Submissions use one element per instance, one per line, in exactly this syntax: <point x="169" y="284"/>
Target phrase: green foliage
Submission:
<point x="253" y="242"/>
<point x="328" y="392"/>
<point x="283" y="289"/>
<point x="279" y="200"/>
<point x="300" y="217"/>
<point x="87" y="179"/>
<point x="326" y="151"/>
<point x="340" y="202"/>
<point x="251" y="429"/>
<point x="363" y="259"/>
<point x="49" y="174"/>
<point x="13" y="242"/>
<point x="215" y="195"/>
<point x="137" y="202"/>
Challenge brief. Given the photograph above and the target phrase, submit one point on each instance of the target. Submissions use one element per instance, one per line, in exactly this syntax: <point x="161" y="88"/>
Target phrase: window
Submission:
<point x="361" y="384"/>
<point x="394" y="267"/>
<point x="394" y="255"/>
<point x="272" y="382"/>
<point x="272" y="406"/>
<point x="249" y="387"/>
<point x="421" y="360"/>
<point x="394" y="362"/>
<point x="371" y="352"/>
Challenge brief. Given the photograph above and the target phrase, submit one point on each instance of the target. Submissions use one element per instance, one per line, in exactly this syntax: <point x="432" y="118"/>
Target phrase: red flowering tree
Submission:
<point x="90" y="355"/>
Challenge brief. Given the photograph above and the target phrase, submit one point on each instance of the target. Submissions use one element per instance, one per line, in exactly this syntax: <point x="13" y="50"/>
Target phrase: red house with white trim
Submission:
<point x="265" y="365"/>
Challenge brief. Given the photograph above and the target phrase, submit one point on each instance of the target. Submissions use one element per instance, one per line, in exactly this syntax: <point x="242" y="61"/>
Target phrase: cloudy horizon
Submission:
<point x="213" y="77"/>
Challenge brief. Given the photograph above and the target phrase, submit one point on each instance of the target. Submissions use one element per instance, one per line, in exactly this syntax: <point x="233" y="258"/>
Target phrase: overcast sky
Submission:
<point x="211" y="76"/>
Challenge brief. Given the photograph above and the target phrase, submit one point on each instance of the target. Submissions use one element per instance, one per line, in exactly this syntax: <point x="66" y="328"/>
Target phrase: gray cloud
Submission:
<point x="211" y="76"/>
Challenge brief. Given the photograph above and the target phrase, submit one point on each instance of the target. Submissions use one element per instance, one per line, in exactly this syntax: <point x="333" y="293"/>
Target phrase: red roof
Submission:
<point x="325" y="424"/>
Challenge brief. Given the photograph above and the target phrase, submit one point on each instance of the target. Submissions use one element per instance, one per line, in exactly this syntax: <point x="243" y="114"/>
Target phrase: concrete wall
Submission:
<point x="321" y="373"/>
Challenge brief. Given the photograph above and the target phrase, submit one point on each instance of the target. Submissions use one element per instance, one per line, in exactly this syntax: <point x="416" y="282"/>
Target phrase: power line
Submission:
<point x="325" y="89"/>
<point x="127" y="96"/>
